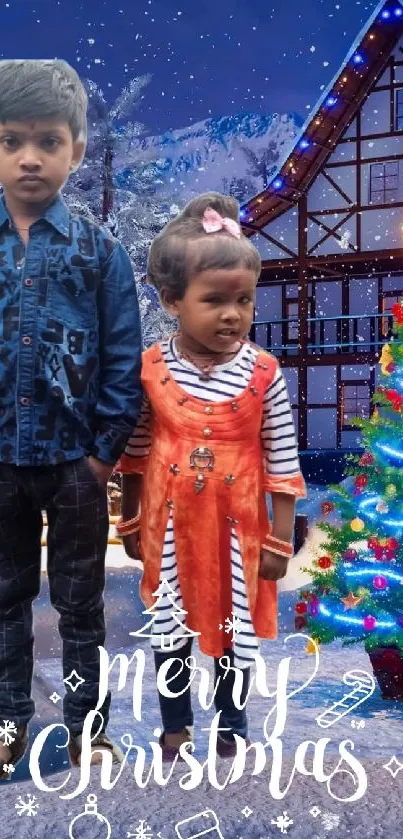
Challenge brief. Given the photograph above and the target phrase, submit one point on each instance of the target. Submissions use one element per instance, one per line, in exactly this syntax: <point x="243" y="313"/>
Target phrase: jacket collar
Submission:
<point x="57" y="215"/>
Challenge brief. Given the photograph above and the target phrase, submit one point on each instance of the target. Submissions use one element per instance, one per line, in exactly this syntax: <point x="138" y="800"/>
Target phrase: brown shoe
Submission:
<point x="170" y="750"/>
<point x="99" y="743"/>
<point x="228" y="748"/>
<point x="17" y="751"/>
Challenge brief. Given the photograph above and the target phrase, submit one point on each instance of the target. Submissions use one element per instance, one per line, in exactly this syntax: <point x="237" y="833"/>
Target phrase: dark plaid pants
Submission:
<point x="76" y="506"/>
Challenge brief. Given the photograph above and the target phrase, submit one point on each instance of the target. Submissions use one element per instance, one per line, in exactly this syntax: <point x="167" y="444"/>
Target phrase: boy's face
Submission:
<point x="36" y="158"/>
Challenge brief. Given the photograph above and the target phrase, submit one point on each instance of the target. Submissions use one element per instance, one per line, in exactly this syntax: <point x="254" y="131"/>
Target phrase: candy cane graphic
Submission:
<point x="363" y="687"/>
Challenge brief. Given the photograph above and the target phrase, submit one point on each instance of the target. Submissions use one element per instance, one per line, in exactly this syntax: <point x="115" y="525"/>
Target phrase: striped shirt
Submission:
<point x="280" y="454"/>
<point x="226" y="382"/>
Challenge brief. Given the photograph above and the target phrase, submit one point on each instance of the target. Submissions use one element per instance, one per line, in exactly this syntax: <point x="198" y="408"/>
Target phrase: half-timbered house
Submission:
<point x="329" y="229"/>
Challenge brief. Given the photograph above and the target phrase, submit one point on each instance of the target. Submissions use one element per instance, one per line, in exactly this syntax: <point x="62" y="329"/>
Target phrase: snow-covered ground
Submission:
<point x="375" y="728"/>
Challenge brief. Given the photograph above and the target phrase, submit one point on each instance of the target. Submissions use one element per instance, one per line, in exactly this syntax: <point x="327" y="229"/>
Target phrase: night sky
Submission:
<point x="207" y="58"/>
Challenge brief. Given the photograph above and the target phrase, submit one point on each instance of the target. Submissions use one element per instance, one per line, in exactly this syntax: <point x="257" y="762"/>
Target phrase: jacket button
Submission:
<point x="26" y="340"/>
<point x="29" y="282"/>
<point x="207" y="432"/>
<point x="25" y="400"/>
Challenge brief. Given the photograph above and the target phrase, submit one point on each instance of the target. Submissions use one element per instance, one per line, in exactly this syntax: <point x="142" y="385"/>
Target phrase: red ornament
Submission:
<point x="300" y="623"/>
<point x="301" y="608"/>
<point x="384" y="549"/>
<point x="397" y="312"/>
<point x="391" y="367"/>
<point x="367" y="459"/>
<point x="380" y="583"/>
<point x="369" y="623"/>
<point x="360" y="482"/>
<point x="327" y="507"/>
<point x="395" y="398"/>
<point x="325" y="562"/>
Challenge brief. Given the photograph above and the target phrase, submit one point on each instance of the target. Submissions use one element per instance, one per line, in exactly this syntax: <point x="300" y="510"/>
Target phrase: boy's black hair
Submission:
<point x="41" y="89"/>
<point x="184" y="248"/>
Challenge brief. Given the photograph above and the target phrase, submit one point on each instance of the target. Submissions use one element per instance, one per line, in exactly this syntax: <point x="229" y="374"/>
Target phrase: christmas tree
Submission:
<point x="357" y="582"/>
<point x="166" y="597"/>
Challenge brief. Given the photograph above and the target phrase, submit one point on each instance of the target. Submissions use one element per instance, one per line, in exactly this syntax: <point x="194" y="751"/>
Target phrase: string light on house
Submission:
<point x="278" y="183"/>
<point x="358" y="58"/>
<point x="331" y="101"/>
<point x="304" y="143"/>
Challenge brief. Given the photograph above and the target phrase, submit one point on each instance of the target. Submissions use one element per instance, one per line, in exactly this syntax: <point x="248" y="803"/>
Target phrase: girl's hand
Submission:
<point x="272" y="566"/>
<point x="131" y="545"/>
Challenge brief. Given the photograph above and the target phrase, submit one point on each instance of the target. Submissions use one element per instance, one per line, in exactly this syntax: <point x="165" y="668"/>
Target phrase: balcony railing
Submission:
<point x="335" y="334"/>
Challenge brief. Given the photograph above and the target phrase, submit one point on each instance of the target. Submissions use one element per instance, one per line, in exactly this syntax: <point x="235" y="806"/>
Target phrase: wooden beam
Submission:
<point x="331" y="231"/>
<point x="338" y="189"/>
<point x="303" y="313"/>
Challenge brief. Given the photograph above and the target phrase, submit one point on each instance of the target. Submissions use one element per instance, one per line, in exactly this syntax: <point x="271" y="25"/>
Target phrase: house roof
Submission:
<point x="329" y="119"/>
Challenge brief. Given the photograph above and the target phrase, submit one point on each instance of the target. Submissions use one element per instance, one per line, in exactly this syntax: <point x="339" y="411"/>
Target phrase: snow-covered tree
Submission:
<point x="110" y="129"/>
<point x="262" y="162"/>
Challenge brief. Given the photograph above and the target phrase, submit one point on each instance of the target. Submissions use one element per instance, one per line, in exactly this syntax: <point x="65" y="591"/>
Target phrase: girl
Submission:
<point x="215" y="434"/>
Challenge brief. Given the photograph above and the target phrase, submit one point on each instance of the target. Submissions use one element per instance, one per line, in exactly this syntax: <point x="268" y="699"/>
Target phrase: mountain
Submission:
<point x="236" y="154"/>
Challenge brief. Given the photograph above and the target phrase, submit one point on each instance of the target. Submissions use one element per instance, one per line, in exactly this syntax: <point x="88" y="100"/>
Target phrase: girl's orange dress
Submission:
<point x="205" y="468"/>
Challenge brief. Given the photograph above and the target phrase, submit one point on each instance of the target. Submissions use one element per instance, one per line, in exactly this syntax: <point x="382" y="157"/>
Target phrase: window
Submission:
<point x="384" y="182"/>
<point x="291" y="313"/>
<point x="355" y="402"/>
<point x="292" y="320"/>
<point x="387" y="320"/>
<point x="399" y="109"/>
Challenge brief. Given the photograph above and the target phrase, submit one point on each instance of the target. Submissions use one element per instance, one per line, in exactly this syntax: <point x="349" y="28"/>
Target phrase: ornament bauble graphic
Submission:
<point x="90" y="810"/>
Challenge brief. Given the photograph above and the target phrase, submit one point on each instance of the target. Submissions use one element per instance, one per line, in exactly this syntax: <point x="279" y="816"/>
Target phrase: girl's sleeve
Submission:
<point x="282" y="472"/>
<point x="134" y="458"/>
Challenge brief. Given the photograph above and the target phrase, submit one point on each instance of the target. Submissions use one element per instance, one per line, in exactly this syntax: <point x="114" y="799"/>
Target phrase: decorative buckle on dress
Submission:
<point x="201" y="459"/>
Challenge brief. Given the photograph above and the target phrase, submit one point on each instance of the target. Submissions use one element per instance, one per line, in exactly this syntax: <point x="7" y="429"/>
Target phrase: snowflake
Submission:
<point x="233" y="625"/>
<point x="142" y="831"/>
<point x="283" y="822"/>
<point x="7" y="730"/>
<point x="8" y="768"/>
<point x="28" y="807"/>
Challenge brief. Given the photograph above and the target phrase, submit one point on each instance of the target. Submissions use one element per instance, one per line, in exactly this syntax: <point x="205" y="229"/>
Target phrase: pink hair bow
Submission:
<point x="212" y="222"/>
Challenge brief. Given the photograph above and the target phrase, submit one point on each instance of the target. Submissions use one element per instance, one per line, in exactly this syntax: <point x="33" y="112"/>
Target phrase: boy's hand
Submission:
<point x="101" y="470"/>
<point x="272" y="566"/>
<point x="131" y="545"/>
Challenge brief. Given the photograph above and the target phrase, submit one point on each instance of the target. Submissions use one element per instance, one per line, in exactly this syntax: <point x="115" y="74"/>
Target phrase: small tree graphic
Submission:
<point x="165" y="595"/>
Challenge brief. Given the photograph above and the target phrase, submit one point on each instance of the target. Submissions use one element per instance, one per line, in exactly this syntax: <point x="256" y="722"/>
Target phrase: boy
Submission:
<point x="70" y="355"/>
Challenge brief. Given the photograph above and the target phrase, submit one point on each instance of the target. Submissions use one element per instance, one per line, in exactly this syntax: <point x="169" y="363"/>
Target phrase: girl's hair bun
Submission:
<point x="225" y="205"/>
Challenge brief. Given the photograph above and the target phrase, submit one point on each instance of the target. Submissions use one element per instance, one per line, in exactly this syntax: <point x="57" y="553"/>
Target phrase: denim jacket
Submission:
<point x="70" y="342"/>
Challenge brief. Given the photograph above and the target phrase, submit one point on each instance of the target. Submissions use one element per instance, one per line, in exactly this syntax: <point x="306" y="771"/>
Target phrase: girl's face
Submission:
<point x="217" y="309"/>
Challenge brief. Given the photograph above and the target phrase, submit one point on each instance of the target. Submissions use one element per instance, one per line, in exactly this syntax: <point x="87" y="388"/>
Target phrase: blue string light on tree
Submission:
<point x="394" y="456"/>
<point x="367" y="507"/>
